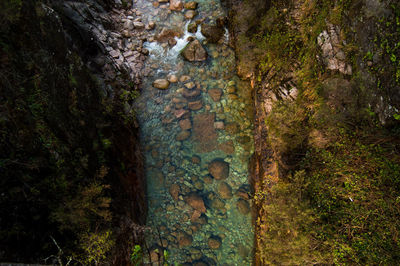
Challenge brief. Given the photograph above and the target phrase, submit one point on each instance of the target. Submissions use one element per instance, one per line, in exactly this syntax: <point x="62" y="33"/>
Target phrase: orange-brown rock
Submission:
<point x="215" y="94"/>
<point x="227" y="147"/>
<point x="174" y="190"/>
<point x="224" y="190"/>
<point x="243" y="206"/>
<point x="184" y="239"/>
<point x="185" y="124"/>
<point x="196" y="105"/>
<point x="183" y="135"/>
<point x="196" y="202"/>
<point x="214" y="242"/>
<point x="219" y="169"/>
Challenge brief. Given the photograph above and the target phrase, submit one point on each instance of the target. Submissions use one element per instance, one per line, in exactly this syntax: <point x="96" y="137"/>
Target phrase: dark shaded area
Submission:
<point x="70" y="165"/>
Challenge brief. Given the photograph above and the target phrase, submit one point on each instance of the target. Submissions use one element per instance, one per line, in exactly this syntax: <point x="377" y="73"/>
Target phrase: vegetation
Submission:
<point x="335" y="196"/>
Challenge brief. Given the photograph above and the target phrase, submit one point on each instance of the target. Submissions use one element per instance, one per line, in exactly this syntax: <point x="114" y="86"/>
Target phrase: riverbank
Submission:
<point x="326" y="120"/>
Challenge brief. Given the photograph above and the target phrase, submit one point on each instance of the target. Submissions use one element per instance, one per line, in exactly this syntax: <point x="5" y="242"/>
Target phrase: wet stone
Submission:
<point x="173" y="78"/>
<point x="191" y="94"/>
<point x="196" y="105"/>
<point x="176" y="5"/>
<point x="219" y="169"/>
<point x="184" y="239"/>
<point x="243" y="206"/>
<point x="183" y="135"/>
<point x="190" y="14"/>
<point x="214" y="242"/>
<point x="213" y="33"/>
<point x="184" y="78"/>
<point x="190" y="5"/>
<point x="207" y="180"/>
<point x="185" y="124"/>
<point x="194" y="51"/>
<point x="215" y="94"/>
<point x="174" y="191"/>
<point x="196" y="159"/>
<point x="190" y="85"/>
<point x="217" y="204"/>
<point x="192" y="28"/>
<point x="196" y="202"/>
<point x="161" y="84"/>
<point x="224" y="190"/>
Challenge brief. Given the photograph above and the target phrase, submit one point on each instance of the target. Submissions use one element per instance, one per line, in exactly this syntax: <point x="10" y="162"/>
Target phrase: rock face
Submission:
<point x="333" y="56"/>
<point x="213" y="33"/>
<point x="219" y="169"/>
<point x="161" y="84"/>
<point x="196" y="202"/>
<point x="194" y="51"/>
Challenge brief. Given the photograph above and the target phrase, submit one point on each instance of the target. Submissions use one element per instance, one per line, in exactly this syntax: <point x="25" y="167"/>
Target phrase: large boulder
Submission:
<point x="213" y="33"/>
<point x="194" y="51"/>
<point x="219" y="169"/>
<point x="196" y="202"/>
<point x="224" y="190"/>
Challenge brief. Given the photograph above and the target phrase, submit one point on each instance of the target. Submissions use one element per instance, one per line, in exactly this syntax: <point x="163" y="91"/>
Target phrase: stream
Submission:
<point x="197" y="139"/>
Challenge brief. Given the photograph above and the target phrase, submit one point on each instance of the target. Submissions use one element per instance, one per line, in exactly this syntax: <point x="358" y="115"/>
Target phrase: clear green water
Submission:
<point x="181" y="166"/>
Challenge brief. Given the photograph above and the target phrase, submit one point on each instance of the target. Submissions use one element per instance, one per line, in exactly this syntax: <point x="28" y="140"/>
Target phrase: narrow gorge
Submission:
<point x="200" y="132"/>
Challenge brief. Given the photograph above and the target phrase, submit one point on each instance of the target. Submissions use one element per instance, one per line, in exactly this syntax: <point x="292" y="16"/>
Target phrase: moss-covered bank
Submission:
<point x="326" y="92"/>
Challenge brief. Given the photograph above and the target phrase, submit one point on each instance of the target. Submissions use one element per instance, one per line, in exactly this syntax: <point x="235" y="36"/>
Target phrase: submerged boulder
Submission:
<point x="161" y="84"/>
<point x="196" y="202"/>
<point x="219" y="169"/>
<point x="213" y="33"/>
<point x="194" y="51"/>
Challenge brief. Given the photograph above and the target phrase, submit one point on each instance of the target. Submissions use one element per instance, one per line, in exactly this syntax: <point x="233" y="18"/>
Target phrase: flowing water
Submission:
<point x="188" y="131"/>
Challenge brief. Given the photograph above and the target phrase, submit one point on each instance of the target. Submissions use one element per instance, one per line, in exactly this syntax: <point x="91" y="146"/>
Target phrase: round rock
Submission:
<point x="219" y="169"/>
<point x="214" y="242"/>
<point x="243" y="206"/>
<point x="224" y="190"/>
<point x="161" y="84"/>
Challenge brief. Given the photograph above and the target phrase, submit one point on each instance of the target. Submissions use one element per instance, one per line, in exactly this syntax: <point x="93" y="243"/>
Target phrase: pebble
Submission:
<point x="196" y="105"/>
<point x="184" y="78"/>
<point x="190" y="85"/>
<point x="214" y="242"/>
<point x="190" y="14"/>
<point x="173" y="78"/>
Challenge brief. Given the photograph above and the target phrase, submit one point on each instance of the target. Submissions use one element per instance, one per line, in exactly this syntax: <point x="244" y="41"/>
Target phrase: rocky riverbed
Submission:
<point x="195" y="119"/>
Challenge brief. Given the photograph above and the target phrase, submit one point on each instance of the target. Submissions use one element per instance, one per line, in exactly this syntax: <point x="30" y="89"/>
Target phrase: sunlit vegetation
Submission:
<point x="336" y="198"/>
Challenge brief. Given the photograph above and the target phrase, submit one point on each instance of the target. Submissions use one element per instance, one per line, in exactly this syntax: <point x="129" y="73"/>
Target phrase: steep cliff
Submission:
<point x="71" y="170"/>
<point x="326" y="90"/>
